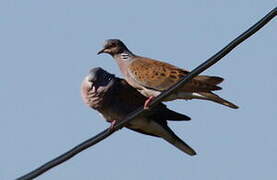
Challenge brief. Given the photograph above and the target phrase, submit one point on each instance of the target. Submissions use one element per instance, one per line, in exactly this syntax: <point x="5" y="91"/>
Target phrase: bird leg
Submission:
<point x="148" y="101"/>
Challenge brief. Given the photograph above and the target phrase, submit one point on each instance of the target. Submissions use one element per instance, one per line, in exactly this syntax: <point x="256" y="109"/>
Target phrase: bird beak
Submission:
<point x="102" y="51"/>
<point x="94" y="88"/>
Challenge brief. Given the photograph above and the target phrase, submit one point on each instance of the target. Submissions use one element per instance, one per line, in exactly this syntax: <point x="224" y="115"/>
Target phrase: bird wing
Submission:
<point x="163" y="113"/>
<point x="160" y="76"/>
<point x="143" y="132"/>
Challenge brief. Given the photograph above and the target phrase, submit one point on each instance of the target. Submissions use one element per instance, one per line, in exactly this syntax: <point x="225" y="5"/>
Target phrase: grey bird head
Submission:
<point x="98" y="77"/>
<point x="113" y="47"/>
<point x="95" y="86"/>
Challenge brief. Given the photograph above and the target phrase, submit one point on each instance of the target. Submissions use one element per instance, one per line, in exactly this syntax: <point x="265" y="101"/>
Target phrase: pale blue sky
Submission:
<point x="47" y="47"/>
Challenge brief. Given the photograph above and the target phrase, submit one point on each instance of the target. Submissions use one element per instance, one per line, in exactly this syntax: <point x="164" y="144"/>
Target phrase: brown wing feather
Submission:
<point x="160" y="76"/>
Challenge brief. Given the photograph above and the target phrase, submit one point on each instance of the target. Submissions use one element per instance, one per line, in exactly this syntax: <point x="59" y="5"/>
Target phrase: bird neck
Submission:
<point x="124" y="56"/>
<point x="123" y="59"/>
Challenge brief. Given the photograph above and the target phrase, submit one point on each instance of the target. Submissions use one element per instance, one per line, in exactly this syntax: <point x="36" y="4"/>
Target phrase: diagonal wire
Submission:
<point x="102" y="135"/>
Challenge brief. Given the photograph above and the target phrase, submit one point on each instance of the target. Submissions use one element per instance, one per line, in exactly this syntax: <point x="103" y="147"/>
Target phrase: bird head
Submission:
<point x="99" y="78"/>
<point x="113" y="47"/>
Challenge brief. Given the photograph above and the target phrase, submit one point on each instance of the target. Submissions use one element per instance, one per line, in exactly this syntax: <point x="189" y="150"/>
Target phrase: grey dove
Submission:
<point x="151" y="77"/>
<point x="114" y="98"/>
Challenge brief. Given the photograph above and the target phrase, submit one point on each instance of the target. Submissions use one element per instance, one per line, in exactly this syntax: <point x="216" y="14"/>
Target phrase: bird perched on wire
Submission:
<point x="150" y="77"/>
<point x="114" y="98"/>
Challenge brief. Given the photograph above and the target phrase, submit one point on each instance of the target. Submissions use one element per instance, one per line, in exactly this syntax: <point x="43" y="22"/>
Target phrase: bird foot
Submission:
<point x="112" y="125"/>
<point x="148" y="101"/>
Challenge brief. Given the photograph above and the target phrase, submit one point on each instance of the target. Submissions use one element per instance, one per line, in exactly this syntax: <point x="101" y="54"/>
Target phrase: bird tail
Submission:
<point x="179" y="143"/>
<point x="215" y="98"/>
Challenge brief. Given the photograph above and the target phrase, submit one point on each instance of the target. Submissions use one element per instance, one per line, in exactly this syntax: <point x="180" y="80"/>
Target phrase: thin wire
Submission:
<point x="102" y="135"/>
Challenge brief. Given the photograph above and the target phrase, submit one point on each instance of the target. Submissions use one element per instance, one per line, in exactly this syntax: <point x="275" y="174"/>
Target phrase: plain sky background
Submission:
<point x="47" y="47"/>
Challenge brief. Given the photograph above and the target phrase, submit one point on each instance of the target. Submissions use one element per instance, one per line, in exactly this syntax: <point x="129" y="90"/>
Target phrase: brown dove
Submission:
<point x="114" y="98"/>
<point x="151" y="77"/>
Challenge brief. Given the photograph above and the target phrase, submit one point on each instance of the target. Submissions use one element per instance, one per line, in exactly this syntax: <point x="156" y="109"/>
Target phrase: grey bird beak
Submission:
<point x="102" y="51"/>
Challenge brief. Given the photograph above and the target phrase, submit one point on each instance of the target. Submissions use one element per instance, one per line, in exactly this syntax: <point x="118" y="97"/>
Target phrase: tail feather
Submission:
<point x="215" y="98"/>
<point x="159" y="128"/>
<point x="179" y="143"/>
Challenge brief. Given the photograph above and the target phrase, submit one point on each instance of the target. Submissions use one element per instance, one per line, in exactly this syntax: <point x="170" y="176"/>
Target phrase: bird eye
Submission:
<point x="113" y="43"/>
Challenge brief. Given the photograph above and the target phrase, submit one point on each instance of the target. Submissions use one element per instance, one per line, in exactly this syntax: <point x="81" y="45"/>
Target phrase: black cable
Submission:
<point x="212" y="60"/>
